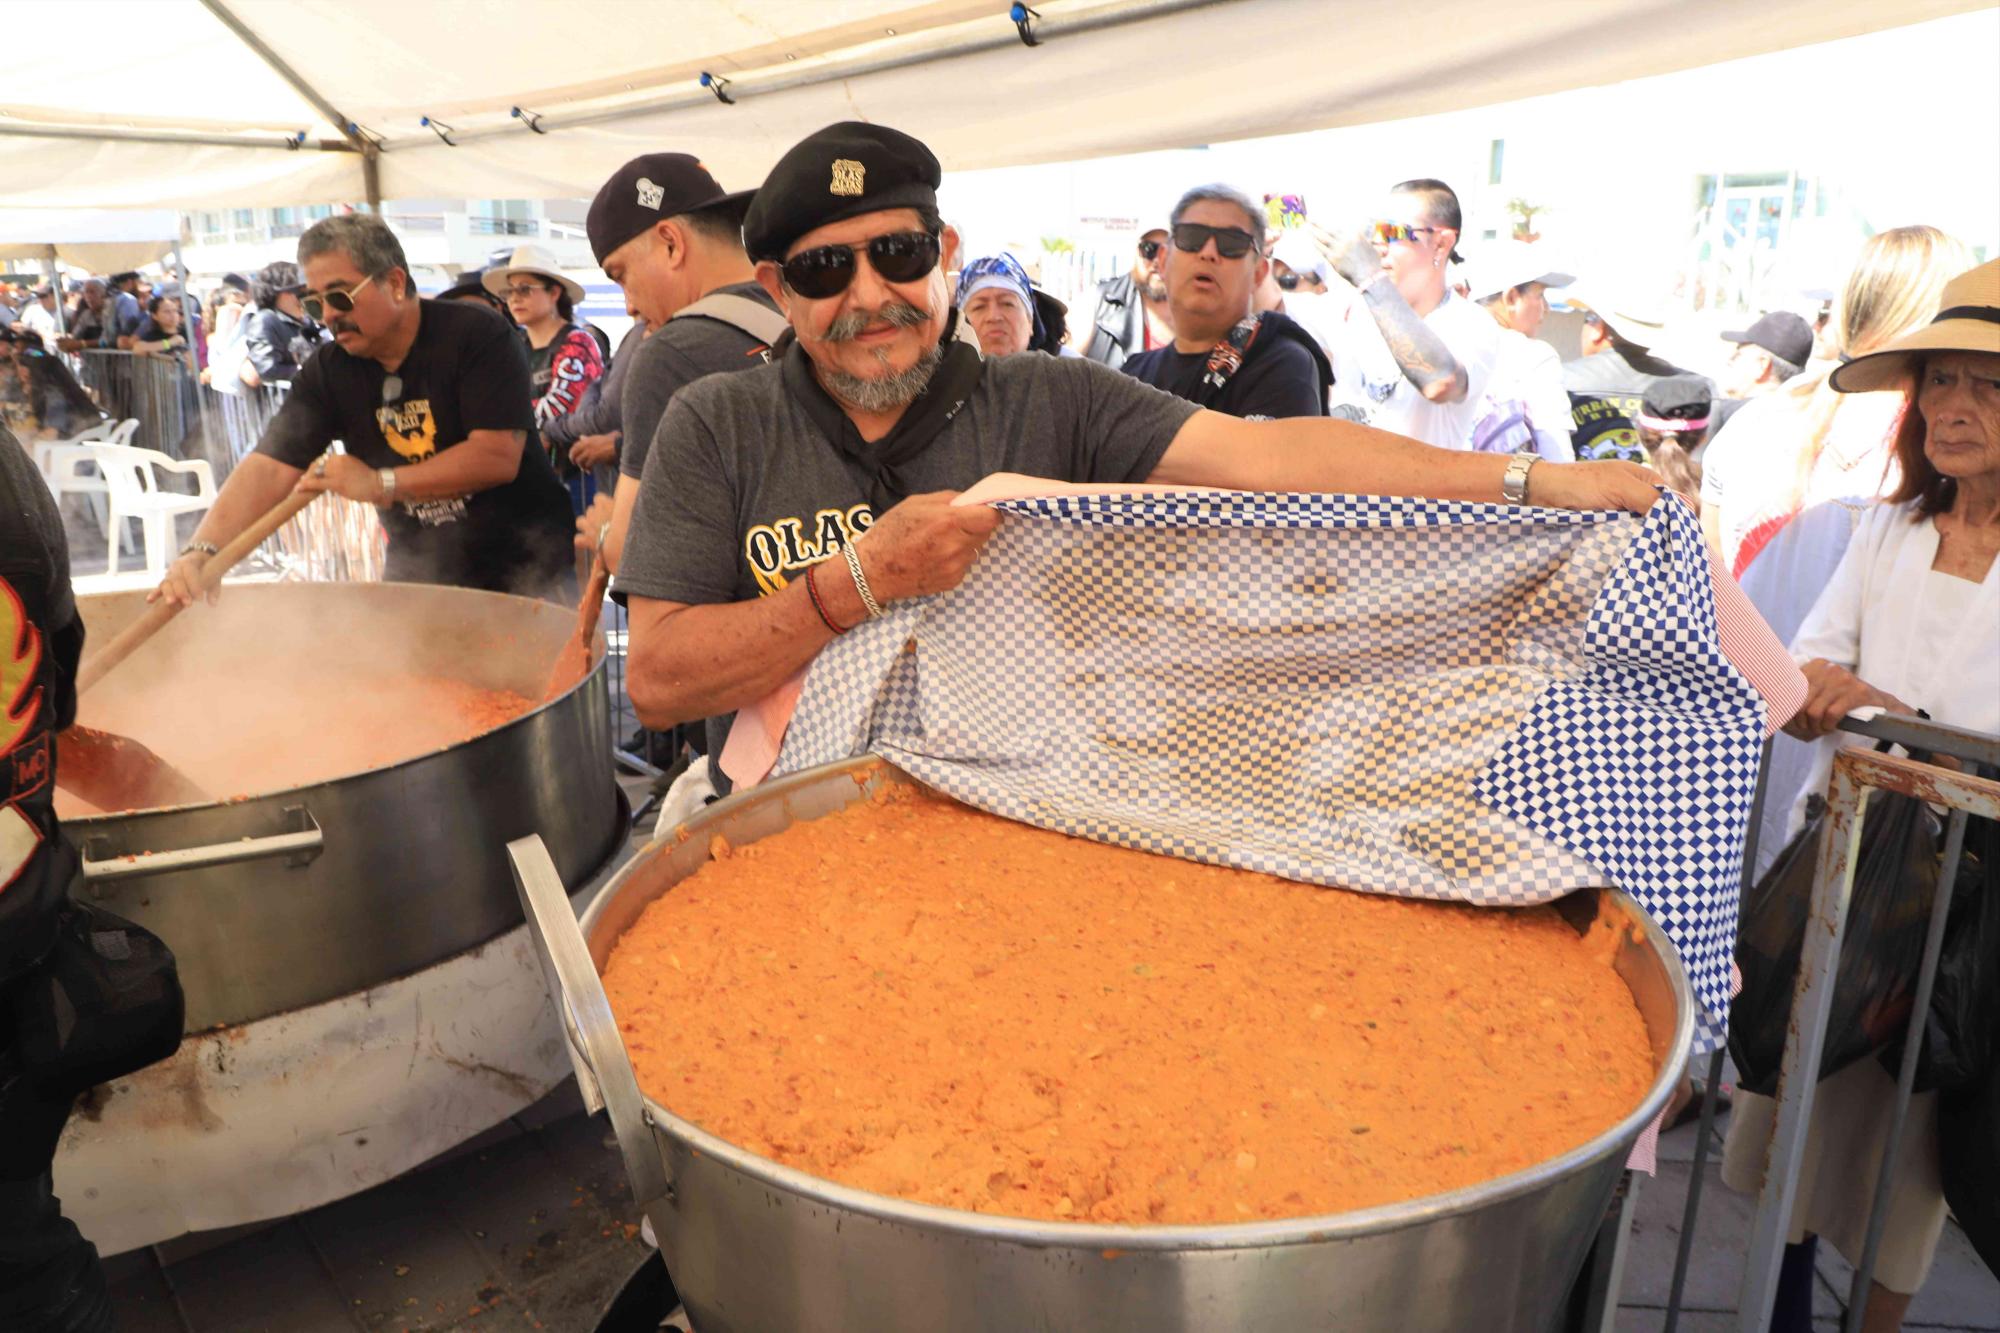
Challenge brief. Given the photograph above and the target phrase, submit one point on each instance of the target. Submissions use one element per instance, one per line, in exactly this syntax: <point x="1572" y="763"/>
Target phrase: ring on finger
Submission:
<point x="319" y="468"/>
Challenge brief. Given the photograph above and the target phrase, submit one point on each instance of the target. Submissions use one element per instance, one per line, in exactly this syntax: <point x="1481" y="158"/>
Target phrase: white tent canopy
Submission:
<point x="98" y="242"/>
<point x="282" y="102"/>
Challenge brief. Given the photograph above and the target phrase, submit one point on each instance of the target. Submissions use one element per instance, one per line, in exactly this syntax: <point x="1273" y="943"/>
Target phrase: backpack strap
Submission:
<point x="746" y="316"/>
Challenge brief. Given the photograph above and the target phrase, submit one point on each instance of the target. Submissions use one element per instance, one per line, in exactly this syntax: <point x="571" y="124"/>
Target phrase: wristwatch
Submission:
<point x="1514" y="481"/>
<point x="387" y="476"/>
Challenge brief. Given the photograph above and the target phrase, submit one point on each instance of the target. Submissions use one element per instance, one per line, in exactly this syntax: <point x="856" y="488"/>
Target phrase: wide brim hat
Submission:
<point x="1968" y="320"/>
<point x="530" y="259"/>
<point x="1635" y="320"/>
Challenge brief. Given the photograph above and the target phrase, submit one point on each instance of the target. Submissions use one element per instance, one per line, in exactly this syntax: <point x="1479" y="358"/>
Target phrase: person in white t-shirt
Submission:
<point x="1527" y="406"/>
<point x="1411" y="356"/>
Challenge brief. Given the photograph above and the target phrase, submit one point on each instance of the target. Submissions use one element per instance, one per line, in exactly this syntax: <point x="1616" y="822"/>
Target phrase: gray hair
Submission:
<point x="1781" y="369"/>
<point x="363" y="237"/>
<point x="1224" y="194"/>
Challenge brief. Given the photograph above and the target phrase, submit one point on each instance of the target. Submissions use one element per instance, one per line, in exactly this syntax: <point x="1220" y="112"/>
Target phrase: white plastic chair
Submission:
<point x="46" y="453"/>
<point x="135" y="492"/>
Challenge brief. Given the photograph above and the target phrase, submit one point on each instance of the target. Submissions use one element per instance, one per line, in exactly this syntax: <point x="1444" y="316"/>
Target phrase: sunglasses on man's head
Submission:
<point x="1149" y="249"/>
<point x="340" y="302"/>
<point x="1391" y="233"/>
<point x="1230" y="242"/>
<point x="828" y="270"/>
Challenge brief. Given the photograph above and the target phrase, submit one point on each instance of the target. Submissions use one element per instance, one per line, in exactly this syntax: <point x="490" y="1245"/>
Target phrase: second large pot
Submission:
<point x="755" y="1246"/>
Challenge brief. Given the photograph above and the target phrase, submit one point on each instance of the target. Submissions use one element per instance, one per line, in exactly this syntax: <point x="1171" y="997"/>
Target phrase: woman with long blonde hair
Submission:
<point x="1805" y="445"/>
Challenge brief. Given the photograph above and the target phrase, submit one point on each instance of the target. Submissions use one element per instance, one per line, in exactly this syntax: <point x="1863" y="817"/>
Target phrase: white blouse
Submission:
<point x="1930" y="639"/>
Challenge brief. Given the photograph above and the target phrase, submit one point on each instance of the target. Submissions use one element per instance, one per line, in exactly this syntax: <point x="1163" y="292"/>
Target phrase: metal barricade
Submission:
<point x="1856" y="772"/>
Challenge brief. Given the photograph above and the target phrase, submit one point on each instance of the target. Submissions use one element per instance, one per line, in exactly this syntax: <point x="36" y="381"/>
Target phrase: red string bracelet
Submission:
<point x="812" y="591"/>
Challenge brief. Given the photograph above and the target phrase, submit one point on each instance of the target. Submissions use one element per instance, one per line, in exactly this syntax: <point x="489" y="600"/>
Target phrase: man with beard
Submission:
<point x="783" y="505"/>
<point x="1132" y="315"/>
<point x="1253" y="364"/>
<point x="431" y="400"/>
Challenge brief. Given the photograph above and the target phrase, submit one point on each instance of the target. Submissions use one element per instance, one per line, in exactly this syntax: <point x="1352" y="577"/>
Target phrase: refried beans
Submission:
<point x="917" y="999"/>
<point x="258" y="733"/>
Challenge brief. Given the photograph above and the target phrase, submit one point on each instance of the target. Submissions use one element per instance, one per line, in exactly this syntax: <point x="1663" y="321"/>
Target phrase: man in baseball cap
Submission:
<point x="666" y="232"/>
<point x="785" y="505"/>
<point x="1765" y="355"/>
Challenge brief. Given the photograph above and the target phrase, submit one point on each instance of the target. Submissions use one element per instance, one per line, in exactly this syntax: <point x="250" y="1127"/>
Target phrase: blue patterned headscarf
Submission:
<point x="1001" y="270"/>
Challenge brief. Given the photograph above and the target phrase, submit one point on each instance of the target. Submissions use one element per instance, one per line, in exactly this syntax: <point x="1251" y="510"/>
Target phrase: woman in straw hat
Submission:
<point x="1911" y="620"/>
<point x="563" y="358"/>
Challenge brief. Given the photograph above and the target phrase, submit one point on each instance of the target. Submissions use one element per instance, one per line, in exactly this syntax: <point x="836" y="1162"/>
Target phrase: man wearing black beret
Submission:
<point x="782" y="506"/>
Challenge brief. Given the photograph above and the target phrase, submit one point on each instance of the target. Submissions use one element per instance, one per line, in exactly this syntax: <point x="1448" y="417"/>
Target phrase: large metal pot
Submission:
<point x="284" y="899"/>
<point x="756" y="1246"/>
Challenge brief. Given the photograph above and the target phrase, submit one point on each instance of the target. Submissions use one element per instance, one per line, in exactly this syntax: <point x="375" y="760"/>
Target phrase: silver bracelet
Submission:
<point x="387" y="476"/>
<point x="205" y="548"/>
<point x="861" y="582"/>
<point x="1514" y="482"/>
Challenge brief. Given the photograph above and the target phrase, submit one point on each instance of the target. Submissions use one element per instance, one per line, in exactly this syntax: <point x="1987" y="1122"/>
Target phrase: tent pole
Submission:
<point x="371" y="175"/>
<point x="333" y="115"/>
<point x="56" y="286"/>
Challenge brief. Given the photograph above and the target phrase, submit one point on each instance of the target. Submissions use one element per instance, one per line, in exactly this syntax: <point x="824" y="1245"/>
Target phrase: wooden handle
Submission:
<point x="133" y="636"/>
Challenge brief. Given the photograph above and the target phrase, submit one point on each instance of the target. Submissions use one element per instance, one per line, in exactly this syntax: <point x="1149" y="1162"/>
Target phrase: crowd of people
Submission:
<point x="816" y="370"/>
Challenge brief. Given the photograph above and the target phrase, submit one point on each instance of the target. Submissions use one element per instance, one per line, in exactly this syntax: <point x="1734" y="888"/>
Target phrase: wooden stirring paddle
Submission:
<point x="115" y="772"/>
<point x="573" y="662"/>
<point x="130" y="639"/>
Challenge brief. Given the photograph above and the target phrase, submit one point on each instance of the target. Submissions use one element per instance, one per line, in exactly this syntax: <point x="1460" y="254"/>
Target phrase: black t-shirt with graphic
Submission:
<point x="465" y="372"/>
<point x="1279" y="378"/>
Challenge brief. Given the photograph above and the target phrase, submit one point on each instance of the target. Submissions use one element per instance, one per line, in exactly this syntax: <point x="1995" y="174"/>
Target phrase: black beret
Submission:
<point x="836" y="173"/>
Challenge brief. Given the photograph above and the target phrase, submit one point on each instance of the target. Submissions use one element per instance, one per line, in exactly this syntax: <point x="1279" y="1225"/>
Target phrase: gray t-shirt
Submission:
<point x="743" y="491"/>
<point x="678" y="353"/>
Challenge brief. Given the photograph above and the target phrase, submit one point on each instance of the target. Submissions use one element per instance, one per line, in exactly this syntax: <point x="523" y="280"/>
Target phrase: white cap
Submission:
<point x="1298" y="253"/>
<point x="1500" y="266"/>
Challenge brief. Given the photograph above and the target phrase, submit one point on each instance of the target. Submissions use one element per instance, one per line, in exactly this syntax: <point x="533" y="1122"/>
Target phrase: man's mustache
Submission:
<point x="848" y="326"/>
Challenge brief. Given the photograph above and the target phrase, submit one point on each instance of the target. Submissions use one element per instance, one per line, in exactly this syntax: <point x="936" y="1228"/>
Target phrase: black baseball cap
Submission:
<point x="647" y="190"/>
<point x="837" y="173"/>
<point x="1781" y="333"/>
<point x="1677" y="404"/>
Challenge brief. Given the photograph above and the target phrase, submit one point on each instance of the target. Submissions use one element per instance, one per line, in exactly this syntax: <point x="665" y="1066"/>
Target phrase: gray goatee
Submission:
<point x="887" y="392"/>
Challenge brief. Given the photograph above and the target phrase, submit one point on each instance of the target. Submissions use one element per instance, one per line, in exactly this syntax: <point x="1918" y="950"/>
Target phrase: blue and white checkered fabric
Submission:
<point x="1475" y="703"/>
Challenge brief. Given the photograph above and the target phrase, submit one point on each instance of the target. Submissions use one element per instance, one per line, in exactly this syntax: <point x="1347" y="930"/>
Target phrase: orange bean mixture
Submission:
<point x="918" y="999"/>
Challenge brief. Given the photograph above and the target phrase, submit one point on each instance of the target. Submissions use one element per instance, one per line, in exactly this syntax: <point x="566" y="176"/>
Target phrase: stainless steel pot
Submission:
<point x="755" y="1246"/>
<point x="290" y="898"/>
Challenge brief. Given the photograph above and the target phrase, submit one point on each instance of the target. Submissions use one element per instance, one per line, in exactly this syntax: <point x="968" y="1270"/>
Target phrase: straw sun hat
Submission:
<point x="1968" y="320"/>
<point x="530" y="259"/>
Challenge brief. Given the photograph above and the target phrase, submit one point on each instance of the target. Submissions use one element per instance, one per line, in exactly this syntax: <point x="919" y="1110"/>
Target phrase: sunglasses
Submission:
<point x="828" y="270"/>
<point x="1390" y="233"/>
<point x="338" y="301"/>
<point x="1288" y="282"/>
<point x="527" y="289"/>
<point x="1150" y="250"/>
<point x="1230" y="242"/>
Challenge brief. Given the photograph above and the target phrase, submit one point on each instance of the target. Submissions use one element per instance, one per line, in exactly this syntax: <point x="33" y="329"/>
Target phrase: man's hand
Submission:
<point x="343" y="474"/>
<point x="183" y="581"/>
<point x="1348" y="252"/>
<point x="1605" y="485"/>
<point x="1832" y="692"/>
<point x="924" y="545"/>
<point x="594" y="520"/>
<point x="591" y="451"/>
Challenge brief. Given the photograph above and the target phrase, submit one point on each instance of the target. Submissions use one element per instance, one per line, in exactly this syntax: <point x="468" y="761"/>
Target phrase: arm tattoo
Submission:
<point x="1424" y="358"/>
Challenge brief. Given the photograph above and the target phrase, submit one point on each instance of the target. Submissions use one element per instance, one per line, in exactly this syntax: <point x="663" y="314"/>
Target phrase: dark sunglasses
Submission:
<point x="1150" y="250"/>
<point x="1288" y="282"/>
<point x="334" y="299"/>
<point x="1230" y="242"/>
<point x="828" y="270"/>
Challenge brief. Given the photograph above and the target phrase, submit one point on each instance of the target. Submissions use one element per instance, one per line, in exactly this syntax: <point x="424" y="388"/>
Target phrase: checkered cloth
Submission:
<point x="1473" y="703"/>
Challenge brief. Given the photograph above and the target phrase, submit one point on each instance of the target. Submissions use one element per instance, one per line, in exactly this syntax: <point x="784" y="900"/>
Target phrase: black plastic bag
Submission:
<point x="1888" y="917"/>
<point x="1969" y="1161"/>
<point x="1962" y="1028"/>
